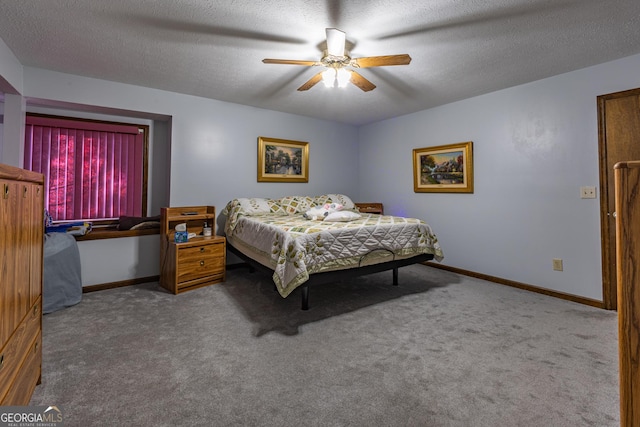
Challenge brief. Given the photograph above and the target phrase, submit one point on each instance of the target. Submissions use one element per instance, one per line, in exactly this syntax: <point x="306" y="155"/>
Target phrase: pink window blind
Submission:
<point x="92" y="170"/>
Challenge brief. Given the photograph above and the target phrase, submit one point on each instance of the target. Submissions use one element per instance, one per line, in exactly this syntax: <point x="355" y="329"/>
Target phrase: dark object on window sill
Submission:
<point x="138" y="223"/>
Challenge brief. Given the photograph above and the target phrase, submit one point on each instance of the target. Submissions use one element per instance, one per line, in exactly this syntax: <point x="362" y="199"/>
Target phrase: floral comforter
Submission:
<point x="295" y="247"/>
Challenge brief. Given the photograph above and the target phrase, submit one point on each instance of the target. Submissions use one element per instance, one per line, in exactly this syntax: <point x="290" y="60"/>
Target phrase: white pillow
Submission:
<point x="342" y="216"/>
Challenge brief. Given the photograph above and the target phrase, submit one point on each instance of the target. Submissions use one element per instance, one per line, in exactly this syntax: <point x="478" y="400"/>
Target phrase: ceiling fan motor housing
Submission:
<point x="332" y="61"/>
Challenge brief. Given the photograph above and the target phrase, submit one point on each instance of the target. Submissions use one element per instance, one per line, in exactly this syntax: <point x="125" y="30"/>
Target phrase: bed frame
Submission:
<point x="332" y="276"/>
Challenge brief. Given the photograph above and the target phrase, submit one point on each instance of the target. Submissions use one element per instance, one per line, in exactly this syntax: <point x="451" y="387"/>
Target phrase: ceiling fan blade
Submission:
<point x="335" y="42"/>
<point x="361" y="82"/>
<point x="290" y="62"/>
<point x="381" y="61"/>
<point x="311" y="82"/>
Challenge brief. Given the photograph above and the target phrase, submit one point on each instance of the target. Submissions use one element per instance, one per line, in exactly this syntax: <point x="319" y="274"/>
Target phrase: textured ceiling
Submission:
<point x="460" y="48"/>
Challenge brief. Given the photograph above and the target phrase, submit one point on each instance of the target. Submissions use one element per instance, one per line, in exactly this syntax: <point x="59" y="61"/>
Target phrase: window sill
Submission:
<point x="113" y="233"/>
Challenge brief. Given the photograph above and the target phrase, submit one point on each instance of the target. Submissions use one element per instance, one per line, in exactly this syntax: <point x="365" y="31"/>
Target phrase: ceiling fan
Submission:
<point x="337" y="62"/>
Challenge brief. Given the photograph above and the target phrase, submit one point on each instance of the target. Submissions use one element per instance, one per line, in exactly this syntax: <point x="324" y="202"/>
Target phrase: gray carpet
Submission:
<point x="439" y="350"/>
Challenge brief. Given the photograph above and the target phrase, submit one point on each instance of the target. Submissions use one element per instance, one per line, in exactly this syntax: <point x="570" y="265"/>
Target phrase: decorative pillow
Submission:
<point x="343" y="200"/>
<point x="322" y="200"/>
<point x="254" y="205"/>
<point x="276" y="207"/>
<point x="296" y="204"/>
<point x="342" y="216"/>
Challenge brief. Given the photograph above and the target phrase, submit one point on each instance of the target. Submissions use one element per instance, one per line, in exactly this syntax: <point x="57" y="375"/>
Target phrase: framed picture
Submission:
<point x="443" y="169"/>
<point x="281" y="160"/>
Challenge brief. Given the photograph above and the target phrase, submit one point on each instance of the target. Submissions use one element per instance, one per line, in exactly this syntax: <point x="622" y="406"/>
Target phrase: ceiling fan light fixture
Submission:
<point x="329" y="77"/>
<point x="343" y="77"/>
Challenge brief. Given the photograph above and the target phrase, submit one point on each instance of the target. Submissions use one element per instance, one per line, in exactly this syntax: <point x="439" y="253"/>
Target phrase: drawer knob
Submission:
<point x="202" y="263"/>
<point x="1" y="361"/>
<point x="201" y="249"/>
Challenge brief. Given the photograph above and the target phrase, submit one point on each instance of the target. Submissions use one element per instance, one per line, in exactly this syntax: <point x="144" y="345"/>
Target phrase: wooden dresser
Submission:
<point x="21" y="257"/>
<point x="198" y="262"/>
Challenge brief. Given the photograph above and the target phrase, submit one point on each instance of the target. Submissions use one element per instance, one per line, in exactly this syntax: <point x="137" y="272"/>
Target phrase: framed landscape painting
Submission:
<point x="443" y="169"/>
<point x="281" y="160"/>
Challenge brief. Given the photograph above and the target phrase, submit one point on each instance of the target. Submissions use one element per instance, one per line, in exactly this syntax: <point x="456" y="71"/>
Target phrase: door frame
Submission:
<point x="607" y="218"/>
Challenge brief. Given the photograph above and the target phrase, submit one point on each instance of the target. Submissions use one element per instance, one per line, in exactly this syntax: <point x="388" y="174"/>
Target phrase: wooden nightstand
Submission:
<point x="198" y="262"/>
<point x="375" y="208"/>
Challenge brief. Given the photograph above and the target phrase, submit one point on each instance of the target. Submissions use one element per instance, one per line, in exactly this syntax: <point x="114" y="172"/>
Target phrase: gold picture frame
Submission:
<point x="443" y="168"/>
<point x="282" y="160"/>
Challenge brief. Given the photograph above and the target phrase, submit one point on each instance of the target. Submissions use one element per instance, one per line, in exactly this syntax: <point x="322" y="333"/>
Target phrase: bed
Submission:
<point x="278" y="236"/>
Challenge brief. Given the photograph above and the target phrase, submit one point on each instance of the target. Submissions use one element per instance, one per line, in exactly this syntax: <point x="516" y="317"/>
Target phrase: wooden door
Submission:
<point x="618" y="141"/>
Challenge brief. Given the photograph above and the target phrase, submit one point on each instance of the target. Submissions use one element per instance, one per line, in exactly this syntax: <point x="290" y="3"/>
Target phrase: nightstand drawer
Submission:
<point x="197" y="252"/>
<point x="200" y="261"/>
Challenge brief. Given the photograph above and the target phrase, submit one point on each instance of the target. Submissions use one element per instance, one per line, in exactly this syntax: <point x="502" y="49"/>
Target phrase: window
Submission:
<point x="93" y="170"/>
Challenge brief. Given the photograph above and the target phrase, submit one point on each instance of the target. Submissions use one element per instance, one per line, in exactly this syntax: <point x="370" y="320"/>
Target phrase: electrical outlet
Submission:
<point x="557" y="264"/>
<point x="587" y="192"/>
